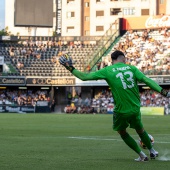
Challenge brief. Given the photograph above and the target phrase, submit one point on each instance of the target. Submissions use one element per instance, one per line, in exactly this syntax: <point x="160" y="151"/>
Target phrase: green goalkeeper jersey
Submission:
<point x="122" y="79"/>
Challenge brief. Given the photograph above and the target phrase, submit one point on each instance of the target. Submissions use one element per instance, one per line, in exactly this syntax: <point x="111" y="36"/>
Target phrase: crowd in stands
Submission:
<point x="100" y="103"/>
<point x="23" y="97"/>
<point x="40" y="58"/>
<point x="148" y="50"/>
<point x="103" y="101"/>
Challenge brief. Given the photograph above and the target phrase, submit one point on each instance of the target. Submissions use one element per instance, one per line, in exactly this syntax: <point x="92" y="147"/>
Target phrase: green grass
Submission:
<point x="75" y="142"/>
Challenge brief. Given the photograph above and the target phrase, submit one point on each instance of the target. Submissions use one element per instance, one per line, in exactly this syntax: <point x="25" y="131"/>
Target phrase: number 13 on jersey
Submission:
<point x="129" y="79"/>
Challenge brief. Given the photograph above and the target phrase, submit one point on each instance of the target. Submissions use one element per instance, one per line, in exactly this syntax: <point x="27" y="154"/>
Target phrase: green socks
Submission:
<point x="131" y="142"/>
<point x="145" y="139"/>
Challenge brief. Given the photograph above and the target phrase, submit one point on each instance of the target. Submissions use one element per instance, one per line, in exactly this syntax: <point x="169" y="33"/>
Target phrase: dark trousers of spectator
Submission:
<point x="52" y="108"/>
<point x="69" y="101"/>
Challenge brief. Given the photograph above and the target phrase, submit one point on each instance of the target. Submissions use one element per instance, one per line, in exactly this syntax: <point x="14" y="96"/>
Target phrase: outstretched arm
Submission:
<point x="66" y="61"/>
<point x="153" y="85"/>
<point x="89" y="76"/>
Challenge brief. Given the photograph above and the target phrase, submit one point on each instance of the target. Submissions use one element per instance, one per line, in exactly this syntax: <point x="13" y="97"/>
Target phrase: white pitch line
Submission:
<point x="161" y="142"/>
<point x="93" y="138"/>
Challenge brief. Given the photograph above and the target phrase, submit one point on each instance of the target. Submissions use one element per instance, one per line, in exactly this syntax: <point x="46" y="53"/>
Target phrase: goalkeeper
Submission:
<point x="122" y="79"/>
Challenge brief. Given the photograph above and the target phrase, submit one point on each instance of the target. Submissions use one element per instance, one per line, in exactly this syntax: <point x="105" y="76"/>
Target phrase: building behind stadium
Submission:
<point x="75" y="17"/>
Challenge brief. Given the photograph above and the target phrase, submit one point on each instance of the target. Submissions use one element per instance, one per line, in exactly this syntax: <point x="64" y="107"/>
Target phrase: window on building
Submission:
<point x="161" y="1"/>
<point x="70" y="14"/>
<point x="115" y="11"/>
<point x="128" y="11"/>
<point x="87" y="4"/>
<point x="99" y="28"/>
<point x="68" y="1"/>
<point x="87" y="32"/>
<point x="144" y="11"/>
<point x="99" y="13"/>
<point x="54" y="14"/>
<point x="87" y="18"/>
<point x="100" y="0"/>
<point x="70" y="29"/>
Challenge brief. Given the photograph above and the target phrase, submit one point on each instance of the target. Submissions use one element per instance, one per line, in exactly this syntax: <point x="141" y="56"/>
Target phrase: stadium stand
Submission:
<point x="149" y="50"/>
<point x="103" y="100"/>
<point x="41" y="58"/>
<point x="23" y="97"/>
<point x="99" y="103"/>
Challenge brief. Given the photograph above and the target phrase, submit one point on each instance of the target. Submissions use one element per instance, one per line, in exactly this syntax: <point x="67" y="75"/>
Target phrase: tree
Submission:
<point x="4" y="32"/>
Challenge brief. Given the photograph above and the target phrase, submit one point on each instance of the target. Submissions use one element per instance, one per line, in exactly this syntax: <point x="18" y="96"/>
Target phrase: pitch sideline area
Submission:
<point x="78" y="142"/>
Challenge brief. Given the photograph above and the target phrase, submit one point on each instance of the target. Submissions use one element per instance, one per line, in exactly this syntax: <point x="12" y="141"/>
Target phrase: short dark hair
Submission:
<point x="116" y="54"/>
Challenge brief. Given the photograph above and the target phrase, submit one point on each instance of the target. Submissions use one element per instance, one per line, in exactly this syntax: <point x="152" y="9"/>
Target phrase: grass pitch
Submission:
<point x="76" y="142"/>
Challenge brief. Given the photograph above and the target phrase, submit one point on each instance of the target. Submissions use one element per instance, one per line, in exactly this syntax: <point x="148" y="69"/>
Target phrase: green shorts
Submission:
<point x="121" y="122"/>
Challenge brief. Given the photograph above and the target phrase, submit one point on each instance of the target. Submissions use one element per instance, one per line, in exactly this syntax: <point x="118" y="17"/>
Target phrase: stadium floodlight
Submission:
<point x="44" y="87"/>
<point x="145" y="87"/>
<point x="22" y="87"/>
<point x="2" y="87"/>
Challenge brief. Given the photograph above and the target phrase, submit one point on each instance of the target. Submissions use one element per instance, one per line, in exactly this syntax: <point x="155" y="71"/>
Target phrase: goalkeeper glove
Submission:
<point x="66" y="61"/>
<point x="165" y="93"/>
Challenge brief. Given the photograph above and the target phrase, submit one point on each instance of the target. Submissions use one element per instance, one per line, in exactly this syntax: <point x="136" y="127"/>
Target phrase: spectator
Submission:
<point x="52" y="106"/>
<point x="69" y="97"/>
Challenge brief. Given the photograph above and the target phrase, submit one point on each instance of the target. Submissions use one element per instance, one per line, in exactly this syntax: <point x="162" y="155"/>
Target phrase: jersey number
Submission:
<point x="130" y="79"/>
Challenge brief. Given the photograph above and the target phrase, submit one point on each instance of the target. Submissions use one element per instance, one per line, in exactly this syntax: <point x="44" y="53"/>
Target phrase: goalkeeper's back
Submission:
<point x="122" y="79"/>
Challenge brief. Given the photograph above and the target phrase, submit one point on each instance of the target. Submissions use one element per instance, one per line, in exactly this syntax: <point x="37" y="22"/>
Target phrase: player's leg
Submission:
<point x="133" y="145"/>
<point x="120" y="124"/>
<point x="136" y="123"/>
<point x="146" y="140"/>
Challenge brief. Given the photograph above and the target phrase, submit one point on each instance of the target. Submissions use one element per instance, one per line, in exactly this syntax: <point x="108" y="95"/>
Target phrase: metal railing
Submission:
<point x="103" y="44"/>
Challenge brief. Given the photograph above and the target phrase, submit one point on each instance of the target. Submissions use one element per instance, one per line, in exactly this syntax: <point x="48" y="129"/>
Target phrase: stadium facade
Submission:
<point x="85" y="29"/>
<point x="79" y="17"/>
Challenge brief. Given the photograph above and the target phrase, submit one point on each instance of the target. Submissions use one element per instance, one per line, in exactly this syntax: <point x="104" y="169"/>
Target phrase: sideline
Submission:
<point x="104" y="139"/>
